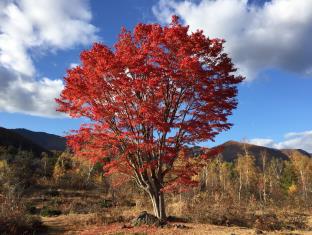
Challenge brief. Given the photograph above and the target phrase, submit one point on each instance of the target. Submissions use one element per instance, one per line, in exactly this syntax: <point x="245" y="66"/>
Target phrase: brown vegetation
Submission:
<point x="68" y="194"/>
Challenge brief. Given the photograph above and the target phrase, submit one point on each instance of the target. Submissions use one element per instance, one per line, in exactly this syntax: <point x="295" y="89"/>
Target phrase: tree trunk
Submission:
<point x="158" y="201"/>
<point x="303" y="184"/>
<point x="264" y="169"/>
<point x="240" y="187"/>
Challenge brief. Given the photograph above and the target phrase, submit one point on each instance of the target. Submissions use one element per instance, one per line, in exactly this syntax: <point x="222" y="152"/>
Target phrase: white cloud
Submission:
<point x="31" y="26"/>
<point x="73" y="65"/>
<point x="26" y="95"/>
<point x="274" y="35"/>
<point x="293" y="140"/>
<point x="261" y="142"/>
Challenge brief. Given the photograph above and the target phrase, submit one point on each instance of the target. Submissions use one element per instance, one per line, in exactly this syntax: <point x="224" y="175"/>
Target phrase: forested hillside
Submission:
<point x="9" y="139"/>
<point x="43" y="139"/>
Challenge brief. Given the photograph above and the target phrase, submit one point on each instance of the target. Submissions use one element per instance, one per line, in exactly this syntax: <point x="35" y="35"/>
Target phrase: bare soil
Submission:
<point x="78" y="224"/>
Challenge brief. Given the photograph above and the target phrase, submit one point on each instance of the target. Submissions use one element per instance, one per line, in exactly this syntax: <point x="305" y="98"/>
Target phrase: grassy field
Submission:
<point x="90" y="212"/>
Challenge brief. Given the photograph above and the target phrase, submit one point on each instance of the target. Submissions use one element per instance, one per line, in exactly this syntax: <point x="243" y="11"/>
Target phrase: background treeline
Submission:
<point x="263" y="192"/>
<point x="264" y="181"/>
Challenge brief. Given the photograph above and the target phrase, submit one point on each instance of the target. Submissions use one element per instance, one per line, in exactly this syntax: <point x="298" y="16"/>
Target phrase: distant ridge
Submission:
<point x="232" y="149"/>
<point x="11" y="138"/>
<point x="43" y="139"/>
<point x="44" y="142"/>
<point x="290" y="152"/>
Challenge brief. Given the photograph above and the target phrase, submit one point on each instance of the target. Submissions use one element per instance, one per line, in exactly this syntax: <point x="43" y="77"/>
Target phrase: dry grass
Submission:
<point x="14" y="220"/>
<point x="177" y="208"/>
<point x="112" y="222"/>
<point x="85" y="212"/>
<point x="194" y="229"/>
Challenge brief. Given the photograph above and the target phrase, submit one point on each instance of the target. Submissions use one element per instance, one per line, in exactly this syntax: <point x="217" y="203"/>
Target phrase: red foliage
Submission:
<point x="160" y="89"/>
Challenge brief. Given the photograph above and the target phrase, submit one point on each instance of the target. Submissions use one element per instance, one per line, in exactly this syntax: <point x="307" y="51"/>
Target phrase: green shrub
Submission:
<point x="52" y="193"/>
<point x="48" y="212"/>
<point x="31" y="209"/>
<point x="128" y="203"/>
<point x="106" y="203"/>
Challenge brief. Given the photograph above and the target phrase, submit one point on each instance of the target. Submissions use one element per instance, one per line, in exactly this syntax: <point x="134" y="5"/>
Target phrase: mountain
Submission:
<point x="11" y="138"/>
<point x="45" y="140"/>
<point x="301" y="152"/>
<point x="231" y="150"/>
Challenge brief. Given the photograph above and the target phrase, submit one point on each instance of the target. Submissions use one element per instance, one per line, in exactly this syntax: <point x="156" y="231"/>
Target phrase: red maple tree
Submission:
<point x="158" y="91"/>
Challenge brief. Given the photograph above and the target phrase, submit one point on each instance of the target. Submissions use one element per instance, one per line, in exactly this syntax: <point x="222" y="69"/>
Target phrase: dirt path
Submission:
<point x="66" y="224"/>
<point x="194" y="229"/>
<point x="78" y="224"/>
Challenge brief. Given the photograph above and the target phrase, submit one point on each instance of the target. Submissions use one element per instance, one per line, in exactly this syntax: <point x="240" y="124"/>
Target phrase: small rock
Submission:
<point x="181" y="226"/>
<point x="258" y="231"/>
<point x="124" y="226"/>
<point x="146" y="218"/>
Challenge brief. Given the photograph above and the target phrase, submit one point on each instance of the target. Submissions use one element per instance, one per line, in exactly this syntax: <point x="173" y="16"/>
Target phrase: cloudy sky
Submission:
<point x="269" y="42"/>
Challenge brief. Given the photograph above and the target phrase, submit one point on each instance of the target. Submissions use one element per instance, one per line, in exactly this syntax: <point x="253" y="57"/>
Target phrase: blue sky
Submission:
<point x="275" y="55"/>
